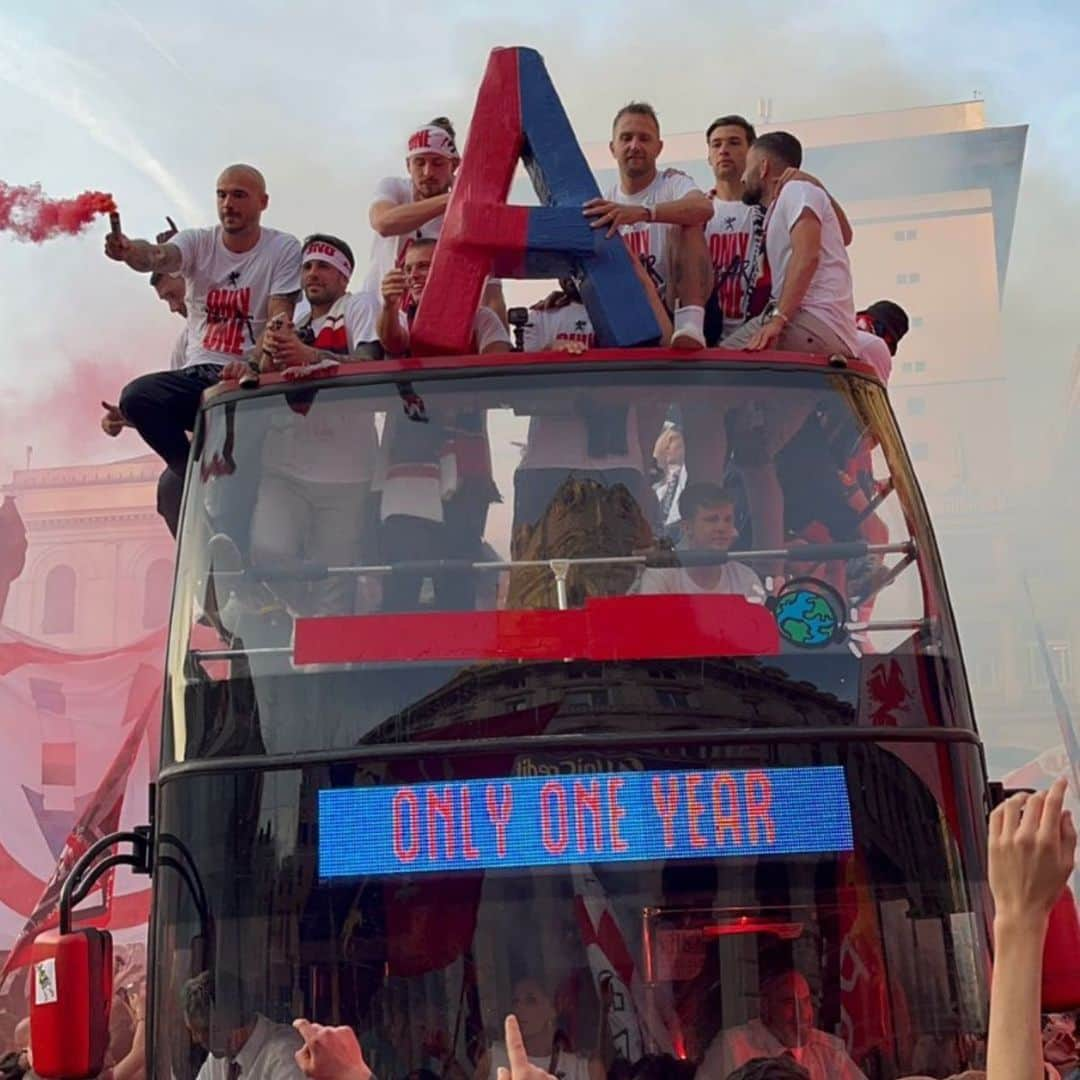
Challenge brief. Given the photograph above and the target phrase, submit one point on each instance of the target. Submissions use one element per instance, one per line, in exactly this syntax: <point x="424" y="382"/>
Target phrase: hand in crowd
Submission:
<point x="1032" y="853"/>
<point x="394" y="288"/>
<point x="521" y="1068"/>
<point x="117" y="246"/>
<point x="552" y="302"/>
<point x="766" y="336"/>
<point x="114" y="421"/>
<point x="166" y="235"/>
<point x="613" y="214"/>
<point x="330" y="1053"/>
<point x="797" y="174"/>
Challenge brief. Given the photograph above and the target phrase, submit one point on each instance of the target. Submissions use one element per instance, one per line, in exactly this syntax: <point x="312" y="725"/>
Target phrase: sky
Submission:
<point x="149" y="102"/>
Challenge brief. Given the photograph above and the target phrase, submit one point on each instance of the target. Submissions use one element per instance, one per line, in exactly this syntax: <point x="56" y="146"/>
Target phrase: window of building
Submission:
<point x="919" y="451"/>
<point x="920" y="365"/>
<point x="1060" y="662"/>
<point x="916" y="406"/>
<point x="916" y="322"/>
<point x="586" y="700"/>
<point x="157" y="590"/>
<point x="673" y="699"/>
<point x="905" y="235"/>
<point x="59" y="613"/>
<point x="910" y="278"/>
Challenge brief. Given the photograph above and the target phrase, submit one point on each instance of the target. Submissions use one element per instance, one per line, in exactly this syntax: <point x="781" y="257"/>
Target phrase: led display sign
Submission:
<point x="562" y="820"/>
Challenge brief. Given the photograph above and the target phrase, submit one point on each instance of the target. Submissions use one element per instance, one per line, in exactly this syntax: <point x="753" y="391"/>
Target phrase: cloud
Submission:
<point x="64" y="82"/>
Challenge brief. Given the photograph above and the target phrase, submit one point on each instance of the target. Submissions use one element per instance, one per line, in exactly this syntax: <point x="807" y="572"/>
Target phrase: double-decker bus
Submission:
<point x="522" y="748"/>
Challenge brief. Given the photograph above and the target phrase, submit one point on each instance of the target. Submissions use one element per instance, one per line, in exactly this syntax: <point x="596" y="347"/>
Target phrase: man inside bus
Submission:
<point x="661" y="214"/>
<point x="319" y="452"/>
<point x="707" y="512"/>
<point x="254" y="1048"/>
<point x="434" y="477"/>
<point x="239" y="275"/>
<point x="407" y="209"/>
<point x="784" y="1029"/>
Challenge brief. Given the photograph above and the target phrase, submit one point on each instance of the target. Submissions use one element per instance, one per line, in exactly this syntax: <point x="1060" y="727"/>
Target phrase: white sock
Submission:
<point x="690" y="317"/>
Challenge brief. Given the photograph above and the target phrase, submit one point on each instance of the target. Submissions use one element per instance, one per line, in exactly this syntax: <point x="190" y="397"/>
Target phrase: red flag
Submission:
<point x="100" y="817"/>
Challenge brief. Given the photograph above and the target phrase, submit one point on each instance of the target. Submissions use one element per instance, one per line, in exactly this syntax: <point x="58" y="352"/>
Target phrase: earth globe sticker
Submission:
<point x="809" y="613"/>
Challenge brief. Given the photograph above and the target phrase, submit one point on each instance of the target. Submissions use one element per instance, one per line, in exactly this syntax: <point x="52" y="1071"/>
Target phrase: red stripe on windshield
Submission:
<point x="617" y="628"/>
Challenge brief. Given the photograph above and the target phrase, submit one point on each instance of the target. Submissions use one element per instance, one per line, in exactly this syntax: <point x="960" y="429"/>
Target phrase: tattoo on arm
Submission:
<point x="149" y="258"/>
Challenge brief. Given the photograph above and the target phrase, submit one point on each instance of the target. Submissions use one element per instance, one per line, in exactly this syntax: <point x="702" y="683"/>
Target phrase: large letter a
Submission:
<point x="518" y="116"/>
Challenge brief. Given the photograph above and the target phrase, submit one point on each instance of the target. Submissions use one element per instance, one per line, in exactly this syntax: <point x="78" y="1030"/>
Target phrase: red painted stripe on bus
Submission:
<point x="616" y="628"/>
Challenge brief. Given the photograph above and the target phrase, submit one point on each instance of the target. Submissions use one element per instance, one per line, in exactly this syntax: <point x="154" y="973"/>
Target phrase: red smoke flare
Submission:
<point x="31" y="215"/>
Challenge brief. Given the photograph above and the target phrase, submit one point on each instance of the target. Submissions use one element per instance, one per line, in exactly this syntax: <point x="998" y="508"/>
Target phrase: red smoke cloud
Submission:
<point x="31" y="215"/>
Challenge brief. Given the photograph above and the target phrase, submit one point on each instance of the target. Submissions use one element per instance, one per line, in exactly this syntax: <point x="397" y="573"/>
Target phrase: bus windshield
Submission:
<point x="662" y="915"/>
<point x="697" y="544"/>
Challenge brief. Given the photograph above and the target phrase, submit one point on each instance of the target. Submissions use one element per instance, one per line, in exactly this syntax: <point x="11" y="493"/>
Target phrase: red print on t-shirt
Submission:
<point x="228" y="321"/>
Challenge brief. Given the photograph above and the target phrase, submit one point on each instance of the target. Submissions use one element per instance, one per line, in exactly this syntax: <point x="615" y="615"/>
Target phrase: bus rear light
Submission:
<point x="69" y="1003"/>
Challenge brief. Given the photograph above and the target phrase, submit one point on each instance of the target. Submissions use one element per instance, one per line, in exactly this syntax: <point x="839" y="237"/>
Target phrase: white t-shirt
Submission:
<point x="872" y="350"/>
<point x="569" y="323"/>
<point x="650" y="242"/>
<point x="178" y="359"/>
<point x="269" y="1054"/>
<point x="561" y="441"/>
<point x="568" y="1066"/>
<point x="735" y="577"/>
<point x="388" y="252"/>
<point x="829" y="297"/>
<point x="334" y="440"/>
<point x="822" y="1055"/>
<point x="228" y="294"/>
<point x="735" y="236"/>
<point x="488" y="329"/>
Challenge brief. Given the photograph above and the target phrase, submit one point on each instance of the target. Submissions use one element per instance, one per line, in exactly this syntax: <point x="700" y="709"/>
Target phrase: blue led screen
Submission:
<point x="562" y="820"/>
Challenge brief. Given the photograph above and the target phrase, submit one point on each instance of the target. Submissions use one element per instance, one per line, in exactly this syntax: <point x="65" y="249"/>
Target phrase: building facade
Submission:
<point x="99" y="560"/>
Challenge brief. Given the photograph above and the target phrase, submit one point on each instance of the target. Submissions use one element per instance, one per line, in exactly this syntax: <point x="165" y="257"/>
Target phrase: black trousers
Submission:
<point x="162" y="407"/>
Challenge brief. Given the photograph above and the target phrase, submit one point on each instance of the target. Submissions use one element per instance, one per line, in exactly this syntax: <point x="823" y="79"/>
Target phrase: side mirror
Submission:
<point x="70" y="999"/>
<point x="1061" y="957"/>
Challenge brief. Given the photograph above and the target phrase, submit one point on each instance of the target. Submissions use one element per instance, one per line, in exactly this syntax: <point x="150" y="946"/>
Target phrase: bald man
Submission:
<point x="237" y="275"/>
<point x="784" y="1029"/>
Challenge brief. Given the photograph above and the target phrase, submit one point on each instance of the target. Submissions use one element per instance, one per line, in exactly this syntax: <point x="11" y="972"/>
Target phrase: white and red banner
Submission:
<point x="79" y="736"/>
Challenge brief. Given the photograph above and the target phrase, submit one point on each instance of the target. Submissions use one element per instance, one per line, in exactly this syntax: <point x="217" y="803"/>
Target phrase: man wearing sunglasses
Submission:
<point x="879" y="329"/>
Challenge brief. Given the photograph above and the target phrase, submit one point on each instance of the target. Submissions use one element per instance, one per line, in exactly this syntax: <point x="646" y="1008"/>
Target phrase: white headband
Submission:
<point x="432" y="140"/>
<point x="321" y="251"/>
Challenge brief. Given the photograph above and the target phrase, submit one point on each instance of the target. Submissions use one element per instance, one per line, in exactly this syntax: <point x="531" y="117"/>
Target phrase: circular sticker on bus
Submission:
<point x="809" y="613"/>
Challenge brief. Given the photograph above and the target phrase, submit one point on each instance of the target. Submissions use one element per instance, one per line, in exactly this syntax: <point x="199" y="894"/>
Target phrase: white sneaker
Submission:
<point x="688" y="338"/>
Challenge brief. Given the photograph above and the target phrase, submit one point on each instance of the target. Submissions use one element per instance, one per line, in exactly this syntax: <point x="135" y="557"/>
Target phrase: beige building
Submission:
<point x="99" y="559"/>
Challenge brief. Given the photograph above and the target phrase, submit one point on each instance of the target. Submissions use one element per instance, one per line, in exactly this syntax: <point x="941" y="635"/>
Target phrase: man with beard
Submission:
<point x="407" y="209"/>
<point x="661" y="214"/>
<point x="812" y="307"/>
<point x="239" y="275"/>
<point x="735" y="234"/>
